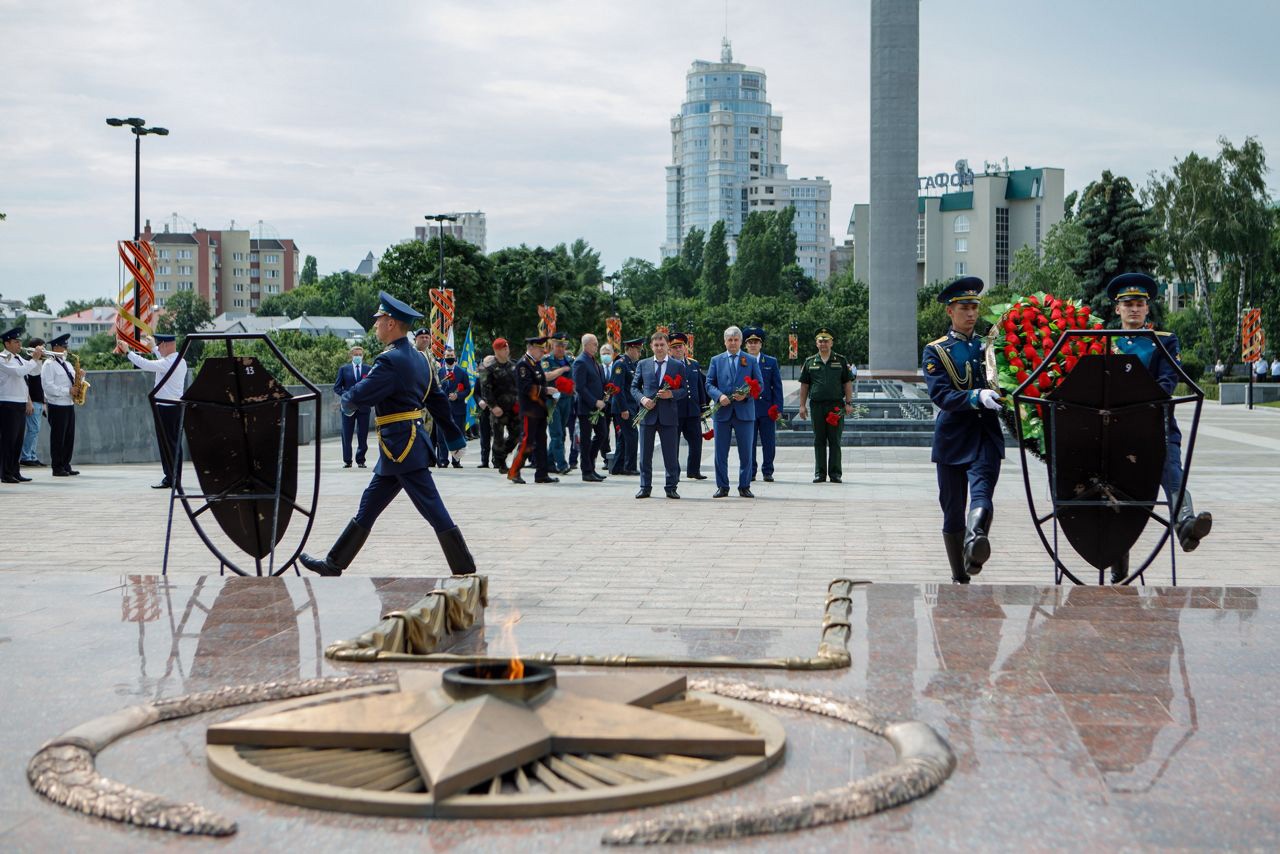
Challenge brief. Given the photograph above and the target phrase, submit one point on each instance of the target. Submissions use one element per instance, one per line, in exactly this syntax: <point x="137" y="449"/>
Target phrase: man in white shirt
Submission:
<point x="1275" y="368"/>
<point x="57" y="377"/>
<point x="167" y="410"/>
<point x="15" y="402"/>
<point x="1260" y="370"/>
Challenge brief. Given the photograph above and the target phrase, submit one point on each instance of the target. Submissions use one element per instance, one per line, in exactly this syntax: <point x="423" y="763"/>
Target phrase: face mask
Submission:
<point x="605" y="358"/>
<point x="355" y="360"/>
<point x="449" y="361"/>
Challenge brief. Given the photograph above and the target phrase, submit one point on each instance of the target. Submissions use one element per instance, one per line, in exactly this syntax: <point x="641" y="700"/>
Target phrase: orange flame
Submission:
<point x="515" y="667"/>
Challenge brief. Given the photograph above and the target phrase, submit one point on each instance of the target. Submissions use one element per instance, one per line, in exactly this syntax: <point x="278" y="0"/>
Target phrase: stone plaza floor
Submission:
<point x="1081" y="718"/>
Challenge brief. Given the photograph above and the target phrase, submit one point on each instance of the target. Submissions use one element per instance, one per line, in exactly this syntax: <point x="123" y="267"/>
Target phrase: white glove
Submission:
<point x="989" y="398"/>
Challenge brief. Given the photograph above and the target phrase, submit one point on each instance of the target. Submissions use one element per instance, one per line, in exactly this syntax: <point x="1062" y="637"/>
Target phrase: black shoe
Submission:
<point x="33" y="463"/>
<point x="361" y="465"/>
<point x="457" y="464"/>
<point x="722" y="492"/>
<point x="9" y="480"/>
<point x="517" y="479"/>
<point x="768" y="478"/>
<point x="346" y="465"/>
<point x="593" y="478"/>
<point x="696" y="476"/>
<point x="644" y="493"/>
<point x="836" y="479"/>
<point x="456" y="553"/>
<point x="164" y="484"/>
<point x="60" y="473"/>
<point x="745" y="492"/>
<point x="71" y="472"/>
<point x="671" y="493"/>
<point x="753" y="478"/>
<point x="819" y="478"/>
<point x="483" y="466"/>
<point x="501" y="464"/>
<point x="977" y="548"/>
<point x="22" y="478"/>
<point x="562" y="472"/>
<point x="1120" y="570"/>
<point x="632" y="473"/>
<point x="348" y="545"/>
<point x="546" y="480"/>
<point x="1191" y="527"/>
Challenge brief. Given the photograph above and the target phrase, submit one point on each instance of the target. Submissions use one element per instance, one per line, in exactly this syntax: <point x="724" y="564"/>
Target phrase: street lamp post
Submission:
<point x="440" y="220"/>
<point x="138" y="128"/>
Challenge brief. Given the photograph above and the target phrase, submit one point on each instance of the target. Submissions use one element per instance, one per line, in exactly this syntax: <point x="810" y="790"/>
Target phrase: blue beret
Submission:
<point x="1132" y="286"/>
<point x="966" y="289"/>
<point x="394" y="308"/>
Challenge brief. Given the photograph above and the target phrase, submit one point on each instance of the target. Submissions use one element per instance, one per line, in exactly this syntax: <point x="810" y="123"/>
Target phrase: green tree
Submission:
<point x="309" y="273"/>
<point x="38" y="303"/>
<point x="588" y="272"/>
<point x="96" y="354"/>
<point x="678" y="279"/>
<point x="1118" y="237"/>
<point x="184" y="313"/>
<point x="766" y="244"/>
<point x="691" y="249"/>
<point x="639" y="281"/>
<point x="76" y="306"/>
<point x="715" y="266"/>
<point x="1050" y="271"/>
<point x="1245" y="223"/>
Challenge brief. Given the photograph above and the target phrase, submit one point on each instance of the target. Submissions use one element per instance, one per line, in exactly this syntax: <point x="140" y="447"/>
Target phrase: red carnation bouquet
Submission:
<point x="670" y="381"/>
<point x="833" y="417"/>
<point x="774" y="412"/>
<point x="564" y="385"/>
<point x="750" y="387"/>
<point x="1022" y="334"/>
<point x="461" y="388"/>
<point x="610" y="389"/>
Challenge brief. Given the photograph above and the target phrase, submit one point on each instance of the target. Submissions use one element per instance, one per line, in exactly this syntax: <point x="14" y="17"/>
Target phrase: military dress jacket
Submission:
<point x="696" y="401"/>
<point x="1160" y="362"/>
<point x="771" y="393"/>
<point x="531" y="388"/>
<point x="401" y="383"/>
<point x="954" y="373"/>
<point x="825" y="379"/>
<point x="621" y="375"/>
<point x="500" y="387"/>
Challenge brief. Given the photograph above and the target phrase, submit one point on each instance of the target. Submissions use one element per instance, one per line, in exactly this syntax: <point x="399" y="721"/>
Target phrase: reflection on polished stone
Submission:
<point x="1088" y="717"/>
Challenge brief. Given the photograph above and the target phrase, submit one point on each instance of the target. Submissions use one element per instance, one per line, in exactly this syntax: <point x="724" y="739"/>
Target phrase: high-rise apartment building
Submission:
<point x="469" y="227"/>
<point x="233" y="271"/>
<point x="727" y="142"/>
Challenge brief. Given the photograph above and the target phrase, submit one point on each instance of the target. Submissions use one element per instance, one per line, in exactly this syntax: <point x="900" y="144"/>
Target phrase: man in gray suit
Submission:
<point x="658" y="388"/>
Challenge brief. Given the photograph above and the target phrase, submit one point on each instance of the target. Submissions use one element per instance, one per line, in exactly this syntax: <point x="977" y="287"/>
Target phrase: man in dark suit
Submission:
<point x="588" y="397"/>
<point x="402" y="388"/>
<point x="691" y="407"/>
<point x="358" y="422"/>
<point x="770" y="397"/>
<point x="736" y="418"/>
<point x="968" y="445"/>
<point x="624" y="409"/>
<point x="456" y="385"/>
<point x="658" y="389"/>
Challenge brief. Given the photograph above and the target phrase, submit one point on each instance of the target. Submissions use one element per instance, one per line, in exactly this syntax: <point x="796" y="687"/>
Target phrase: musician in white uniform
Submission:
<point x="165" y="350"/>
<point x="58" y="376"/>
<point x="15" y="402"/>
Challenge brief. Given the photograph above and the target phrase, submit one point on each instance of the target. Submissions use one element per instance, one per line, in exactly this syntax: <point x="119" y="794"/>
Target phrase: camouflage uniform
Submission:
<point x="499" y="386"/>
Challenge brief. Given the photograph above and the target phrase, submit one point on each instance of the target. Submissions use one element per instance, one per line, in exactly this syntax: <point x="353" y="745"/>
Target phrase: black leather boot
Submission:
<point x="1191" y="527"/>
<point x="977" y="548"/>
<point x="1120" y="570"/>
<point x="456" y="553"/>
<point x="955" y="557"/>
<point x="340" y="556"/>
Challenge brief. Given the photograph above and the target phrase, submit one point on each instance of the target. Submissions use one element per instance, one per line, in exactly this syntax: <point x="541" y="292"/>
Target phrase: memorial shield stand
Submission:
<point x="242" y="428"/>
<point x="1102" y="484"/>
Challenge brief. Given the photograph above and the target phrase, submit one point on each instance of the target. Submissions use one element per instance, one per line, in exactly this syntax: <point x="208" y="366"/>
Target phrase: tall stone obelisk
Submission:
<point x="895" y="143"/>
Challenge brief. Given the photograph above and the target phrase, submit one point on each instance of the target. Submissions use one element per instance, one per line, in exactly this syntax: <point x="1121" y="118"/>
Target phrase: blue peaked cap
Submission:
<point x="394" y="308"/>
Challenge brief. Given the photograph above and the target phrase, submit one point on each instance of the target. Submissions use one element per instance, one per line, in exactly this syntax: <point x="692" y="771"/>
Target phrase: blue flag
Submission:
<point x="467" y="360"/>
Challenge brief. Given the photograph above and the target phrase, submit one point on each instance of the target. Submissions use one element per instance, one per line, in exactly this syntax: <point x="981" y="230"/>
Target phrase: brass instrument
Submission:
<point x="79" y="386"/>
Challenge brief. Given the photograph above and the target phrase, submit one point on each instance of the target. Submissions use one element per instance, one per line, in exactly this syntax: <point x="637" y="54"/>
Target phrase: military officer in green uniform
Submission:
<point x="826" y="383"/>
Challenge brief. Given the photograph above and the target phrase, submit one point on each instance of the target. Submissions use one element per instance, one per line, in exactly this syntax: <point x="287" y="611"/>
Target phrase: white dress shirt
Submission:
<point x="171" y="390"/>
<point x="56" y="383"/>
<point x="14" y="370"/>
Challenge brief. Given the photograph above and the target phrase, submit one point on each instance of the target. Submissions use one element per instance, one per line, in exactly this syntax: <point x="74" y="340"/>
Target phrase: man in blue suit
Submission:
<point x="691" y="407"/>
<point x="770" y="396"/>
<point x="736" y="417"/>
<point x="455" y="384"/>
<point x="588" y="397"/>
<point x="402" y="390"/>
<point x="658" y="390"/>
<point x="967" y="442"/>
<point x="357" y="423"/>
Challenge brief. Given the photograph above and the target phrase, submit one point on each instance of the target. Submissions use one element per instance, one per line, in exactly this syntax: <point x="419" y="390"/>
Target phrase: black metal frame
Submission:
<point x="1197" y="395"/>
<point x="176" y="492"/>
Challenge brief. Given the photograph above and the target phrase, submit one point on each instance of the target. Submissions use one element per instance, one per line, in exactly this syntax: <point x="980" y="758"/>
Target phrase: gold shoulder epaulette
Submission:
<point x="936" y="341"/>
<point x="1161" y="332"/>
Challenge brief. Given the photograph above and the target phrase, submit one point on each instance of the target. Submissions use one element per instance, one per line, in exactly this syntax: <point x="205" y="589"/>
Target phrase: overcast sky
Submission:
<point x="340" y="124"/>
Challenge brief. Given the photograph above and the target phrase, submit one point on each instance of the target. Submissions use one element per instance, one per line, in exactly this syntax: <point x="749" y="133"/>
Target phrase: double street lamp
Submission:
<point x="440" y="220"/>
<point x="138" y="128"/>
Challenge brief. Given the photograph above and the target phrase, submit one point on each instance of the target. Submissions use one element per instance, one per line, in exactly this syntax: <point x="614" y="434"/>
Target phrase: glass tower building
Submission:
<point x="725" y="140"/>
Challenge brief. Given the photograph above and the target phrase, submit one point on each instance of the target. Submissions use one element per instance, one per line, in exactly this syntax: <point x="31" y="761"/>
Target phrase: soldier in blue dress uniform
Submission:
<point x="456" y="385"/>
<point x="770" y="396"/>
<point x="1131" y="293"/>
<point x="624" y="407"/>
<point x="559" y="406"/>
<point x="402" y="390"/>
<point x="691" y="406"/>
<point x="967" y="442"/>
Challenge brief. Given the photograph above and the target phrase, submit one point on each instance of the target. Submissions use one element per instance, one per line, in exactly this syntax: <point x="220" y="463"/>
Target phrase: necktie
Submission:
<point x="662" y="370"/>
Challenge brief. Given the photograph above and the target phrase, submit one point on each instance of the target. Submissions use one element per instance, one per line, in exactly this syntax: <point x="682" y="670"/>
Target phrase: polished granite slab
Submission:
<point x="1080" y="717"/>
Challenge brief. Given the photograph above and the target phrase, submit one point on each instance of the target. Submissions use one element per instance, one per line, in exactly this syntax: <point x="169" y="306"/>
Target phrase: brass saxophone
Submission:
<point x="79" y="387"/>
